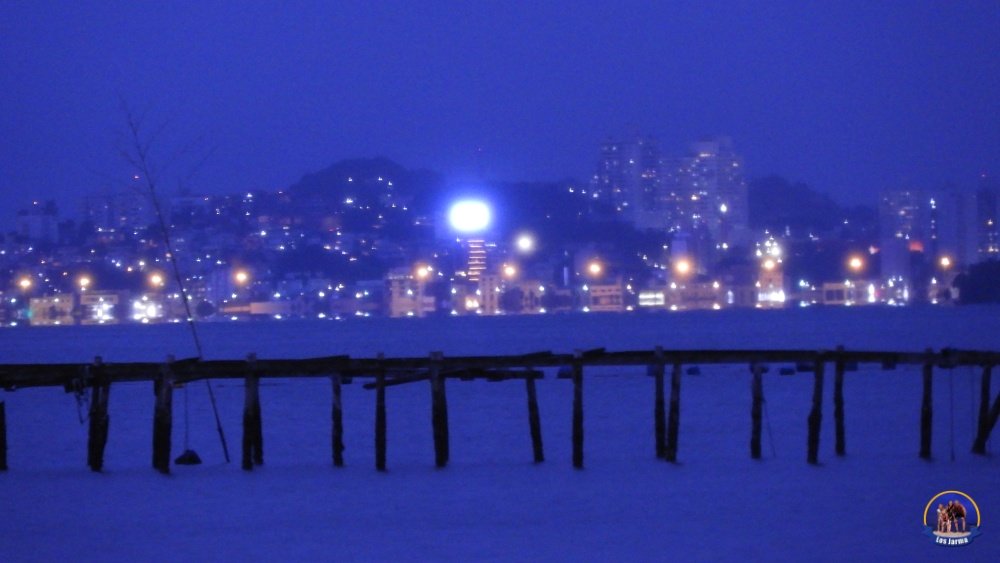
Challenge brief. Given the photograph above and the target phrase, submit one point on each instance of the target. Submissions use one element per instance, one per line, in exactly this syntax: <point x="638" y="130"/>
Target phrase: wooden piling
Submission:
<point x="838" y="404"/>
<point x="926" y="410"/>
<point x="987" y="416"/>
<point x="439" y="411"/>
<point x="816" y="413"/>
<point x="253" y="437"/>
<point x="380" y="422"/>
<point x="659" y="405"/>
<point x="756" y="408"/>
<point x="97" y="436"/>
<point x="534" y="420"/>
<point x="3" y="436"/>
<point x="674" y="420"/>
<point x="577" y="410"/>
<point x="163" y="387"/>
<point x="337" y="417"/>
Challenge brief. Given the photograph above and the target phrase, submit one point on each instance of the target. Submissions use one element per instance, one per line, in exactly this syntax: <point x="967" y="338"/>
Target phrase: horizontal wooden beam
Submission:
<point x="14" y="376"/>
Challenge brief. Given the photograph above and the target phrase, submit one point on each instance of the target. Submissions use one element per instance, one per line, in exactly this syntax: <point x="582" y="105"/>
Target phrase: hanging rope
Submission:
<point x="187" y="422"/>
<point x="767" y="422"/>
<point x="82" y="401"/>
<point x="973" y="424"/>
<point x="951" y="411"/>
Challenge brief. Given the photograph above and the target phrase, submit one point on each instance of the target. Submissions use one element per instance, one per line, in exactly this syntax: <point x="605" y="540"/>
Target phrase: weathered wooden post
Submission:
<point x="987" y="416"/>
<point x="3" y="436"/>
<point x="534" y="420"/>
<point x="659" y="404"/>
<point x="97" y="436"/>
<point x="756" y="408"/>
<point x="838" y="402"/>
<point x="380" y="421"/>
<point x="439" y="411"/>
<point x="253" y="436"/>
<point x="927" y="408"/>
<point x="578" y="409"/>
<point x="674" y="420"/>
<point x="337" y="417"/>
<point x="163" y="387"/>
<point x="816" y="413"/>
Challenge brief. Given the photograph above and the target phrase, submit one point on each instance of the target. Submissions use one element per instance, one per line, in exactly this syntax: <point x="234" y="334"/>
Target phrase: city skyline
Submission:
<point x="853" y="99"/>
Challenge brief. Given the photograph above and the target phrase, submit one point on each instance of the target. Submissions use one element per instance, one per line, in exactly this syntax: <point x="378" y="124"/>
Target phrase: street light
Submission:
<point x="856" y="264"/>
<point x="769" y="264"/>
<point x="156" y="280"/>
<point x="84" y="282"/>
<point x="509" y="271"/>
<point x="595" y="268"/>
<point x="424" y="272"/>
<point x="945" y="262"/>
<point x="682" y="267"/>
<point x="241" y="277"/>
<point x="24" y="283"/>
<point x="525" y="243"/>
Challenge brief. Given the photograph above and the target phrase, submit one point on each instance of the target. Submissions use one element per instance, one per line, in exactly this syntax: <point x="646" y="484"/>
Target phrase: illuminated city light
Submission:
<point x="525" y="243"/>
<point x="595" y="268"/>
<point x="683" y="267"/>
<point x="469" y="216"/>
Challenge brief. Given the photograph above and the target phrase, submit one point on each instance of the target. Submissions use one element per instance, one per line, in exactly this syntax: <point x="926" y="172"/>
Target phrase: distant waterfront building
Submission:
<point x="605" y="297"/>
<point x="52" y="310"/>
<point x="406" y="294"/>
<point x="39" y="222"/>
<point x="770" y="284"/>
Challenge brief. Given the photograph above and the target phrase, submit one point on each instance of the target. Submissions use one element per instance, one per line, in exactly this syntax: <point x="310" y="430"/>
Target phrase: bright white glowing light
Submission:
<point x="469" y="216"/>
<point x="525" y="243"/>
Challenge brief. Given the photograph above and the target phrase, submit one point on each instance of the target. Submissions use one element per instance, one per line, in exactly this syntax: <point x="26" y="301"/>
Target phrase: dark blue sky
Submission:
<point x="851" y="97"/>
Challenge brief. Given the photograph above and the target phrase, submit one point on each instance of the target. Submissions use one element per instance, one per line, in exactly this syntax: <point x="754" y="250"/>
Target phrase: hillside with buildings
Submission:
<point x="647" y="232"/>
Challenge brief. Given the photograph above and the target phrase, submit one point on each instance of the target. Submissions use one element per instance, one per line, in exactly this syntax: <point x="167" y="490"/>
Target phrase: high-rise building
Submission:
<point x="988" y="218"/>
<point x="704" y="190"/>
<point x="118" y="209"/>
<point x="629" y="177"/>
<point x="710" y="191"/>
<point x="476" y="262"/>
<point x="903" y="230"/>
<point x="953" y="226"/>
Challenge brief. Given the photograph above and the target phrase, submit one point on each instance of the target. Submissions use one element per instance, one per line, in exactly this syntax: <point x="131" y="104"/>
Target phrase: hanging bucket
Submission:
<point x="189" y="457"/>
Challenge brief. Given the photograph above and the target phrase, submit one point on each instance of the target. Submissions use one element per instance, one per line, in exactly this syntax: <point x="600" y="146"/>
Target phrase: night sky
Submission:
<point x="850" y="97"/>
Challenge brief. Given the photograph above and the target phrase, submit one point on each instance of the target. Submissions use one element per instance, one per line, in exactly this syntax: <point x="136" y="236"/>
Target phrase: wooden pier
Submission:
<point x="98" y="376"/>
